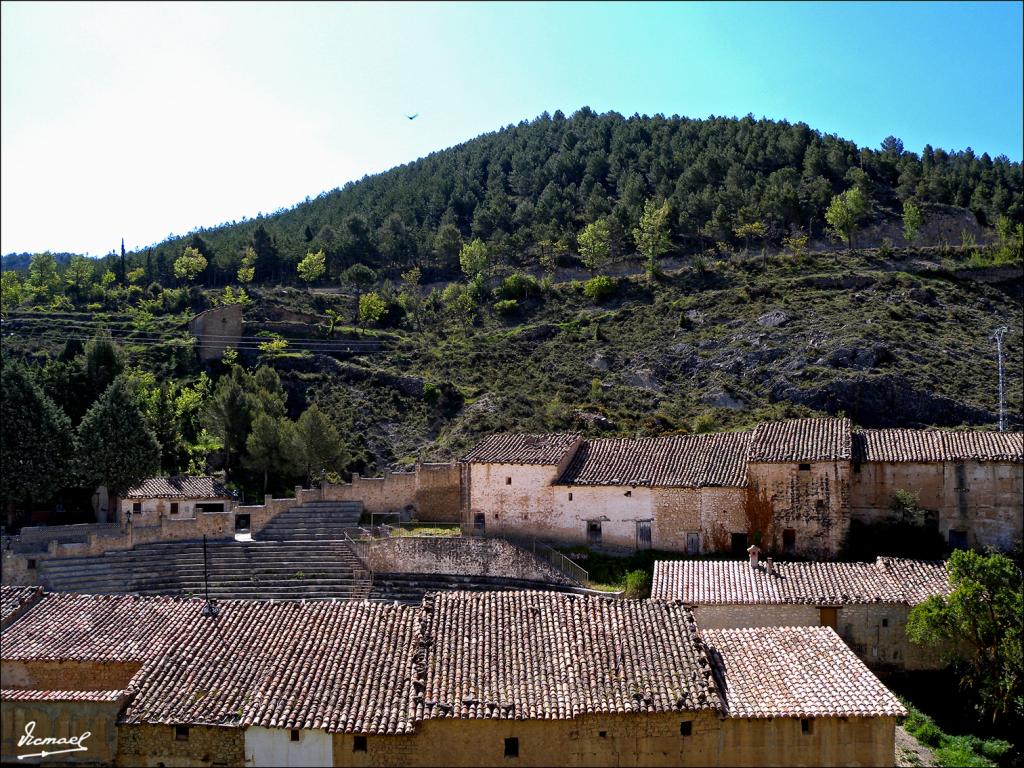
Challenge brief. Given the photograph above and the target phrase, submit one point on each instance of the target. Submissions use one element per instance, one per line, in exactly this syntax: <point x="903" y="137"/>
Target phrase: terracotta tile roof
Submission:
<point x="179" y="487"/>
<point x="8" y="694"/>
<point x="937" y="445"/>
<point x="117" y="628"/>
<point x="918" y="579"/>
<point x="731" y="582"/>
<point x="14" y="600"/>
<point x="687" y="461"/>
<point x="544" y="656"/>
<point x="510" y="448"/>
<point x="795" y="672"/>
<point x="802" y="440"/>
<point x="339" y="666"/>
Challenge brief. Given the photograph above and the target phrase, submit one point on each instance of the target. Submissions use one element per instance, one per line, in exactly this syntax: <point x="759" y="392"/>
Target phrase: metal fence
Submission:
<point x="553" y="557"/>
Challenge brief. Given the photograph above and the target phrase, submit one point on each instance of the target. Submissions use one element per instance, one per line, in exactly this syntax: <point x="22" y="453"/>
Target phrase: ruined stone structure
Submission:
<point x="464" y="679"/>
<point x="695" y="493"/>
<point x="866" y="603"/>
<point x="217" y="329"/>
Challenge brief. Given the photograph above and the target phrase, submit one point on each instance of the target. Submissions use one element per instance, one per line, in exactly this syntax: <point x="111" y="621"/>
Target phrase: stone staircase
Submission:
<point x="410" y="587"/>
<point x="301" y="554"/>
<point x="313" y="521"/>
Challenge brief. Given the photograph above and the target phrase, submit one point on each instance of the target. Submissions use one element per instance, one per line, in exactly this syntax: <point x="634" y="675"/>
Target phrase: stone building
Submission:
<point x="464" y="679"/>
<point x="176" y="498"/>
<point x="698" y="493"/>
<point x="971" y="484"/>
<point x="866" y="603"/>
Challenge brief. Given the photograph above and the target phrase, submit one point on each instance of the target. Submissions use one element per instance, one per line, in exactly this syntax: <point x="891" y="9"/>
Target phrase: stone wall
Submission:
<point x="514" y="499"/>
<point x="982" y="499"/>
<point x="216" y="329"/>
<point x="631" y="740"/>
<point x="155" y="745"/>
<point x="430" y="493"/>
<point x="679" y="512"/>
<point x="61" y="719"/>
<point x="67" y="675"/>
<point x="814" y="503"/>
<point x="876" y="632"/>
<point x="154" y="510"/>
<point x="458" y="555"/>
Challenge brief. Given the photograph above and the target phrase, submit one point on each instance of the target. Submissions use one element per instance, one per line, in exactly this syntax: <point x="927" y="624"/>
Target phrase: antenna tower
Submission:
<point x="998" y="335"/>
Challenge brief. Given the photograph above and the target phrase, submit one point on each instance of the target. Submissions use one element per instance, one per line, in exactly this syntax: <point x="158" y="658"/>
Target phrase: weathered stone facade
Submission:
<point x="810" y="500"/>
<point x="431" y="492"/>
<point x="54" y="718"/>
<point x="980" y="500"/>
<point x="198" y="745"/>
<point x="631" y="740"/>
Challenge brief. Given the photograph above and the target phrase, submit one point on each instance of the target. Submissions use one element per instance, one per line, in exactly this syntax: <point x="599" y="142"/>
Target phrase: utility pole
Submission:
<point x="998" y="335"/>
<point x="208" y="609"/>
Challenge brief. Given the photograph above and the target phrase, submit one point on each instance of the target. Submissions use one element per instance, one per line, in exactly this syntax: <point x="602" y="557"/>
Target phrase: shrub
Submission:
<point x="599" y="288"/>
<point x="517" y="286"/>
<point x="506" y="306"/>
<point x="638" y="585"/>
<point x="885" y="250"/>
<point x="431" y="394"/>
<point x="704" y="422"/>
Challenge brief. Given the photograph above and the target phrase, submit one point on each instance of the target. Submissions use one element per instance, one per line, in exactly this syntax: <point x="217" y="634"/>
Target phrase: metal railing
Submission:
<point x="554" y="558"/>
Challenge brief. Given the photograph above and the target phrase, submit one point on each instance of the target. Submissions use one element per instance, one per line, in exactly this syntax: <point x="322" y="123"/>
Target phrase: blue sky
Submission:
<point x="140" y="120"/>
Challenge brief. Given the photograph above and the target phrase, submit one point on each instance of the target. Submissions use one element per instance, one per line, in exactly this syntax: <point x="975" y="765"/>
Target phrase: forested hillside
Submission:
<point x="598" y="274"/>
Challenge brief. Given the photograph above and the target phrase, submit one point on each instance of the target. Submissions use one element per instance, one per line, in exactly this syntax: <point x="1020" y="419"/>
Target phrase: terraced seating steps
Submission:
<point x="313" y="521"/>
<point x="410" y="587"/>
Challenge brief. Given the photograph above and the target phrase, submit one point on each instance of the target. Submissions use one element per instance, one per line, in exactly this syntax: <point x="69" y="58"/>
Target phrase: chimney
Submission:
<point x="770" y="566"/>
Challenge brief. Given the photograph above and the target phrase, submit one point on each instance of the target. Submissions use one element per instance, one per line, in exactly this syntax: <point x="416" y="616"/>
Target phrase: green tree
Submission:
<point x="12" y="292"/>
<point x="409" y="298"/>
<point x="796" y="244"/>
<point x="912" y="221"/>
<point x="982" y="614"/>
<point x="358" y="278"/>
<point x="651" y="236"/>
<point x="35" y="440"/>
<point x="372" y="307"/>
<point x="312" y="267"/>
<point x="79" y="276"/>
<point x="846" y="213"/>
<point x="317" y="447"/>
<point x="459" y="303"/>
<point x="447" y="245"/>
<point x="473" y="258"/>
<point x="189" y="265"/>
<point x="270" y="447"/>
<point x="247" y="270"/>
<point x="595" y="245"/>
<point x="115" y="444"/>
<point x="754" y="229"/>
<point x="226" y="414"/>
<point x="43" y="278"/>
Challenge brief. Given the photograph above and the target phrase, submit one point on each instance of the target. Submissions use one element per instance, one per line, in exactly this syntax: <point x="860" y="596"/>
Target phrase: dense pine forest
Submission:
<point x="610" y="275"/>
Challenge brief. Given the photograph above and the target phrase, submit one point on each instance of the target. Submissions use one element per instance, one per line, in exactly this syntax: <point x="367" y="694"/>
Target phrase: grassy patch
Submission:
<point x="427" y="530"/>
<point x="951" y="751"/>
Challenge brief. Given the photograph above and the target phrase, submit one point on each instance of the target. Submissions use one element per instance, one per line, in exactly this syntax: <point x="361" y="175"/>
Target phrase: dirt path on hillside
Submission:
<point x="910" y="752"/>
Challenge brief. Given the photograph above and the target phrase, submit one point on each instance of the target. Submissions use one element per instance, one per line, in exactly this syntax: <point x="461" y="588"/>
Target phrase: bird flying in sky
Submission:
<point x="413" y="117"/>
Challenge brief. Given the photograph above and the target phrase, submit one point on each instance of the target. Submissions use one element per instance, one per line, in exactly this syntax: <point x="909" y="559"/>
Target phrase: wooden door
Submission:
<point x="829" y="617"/>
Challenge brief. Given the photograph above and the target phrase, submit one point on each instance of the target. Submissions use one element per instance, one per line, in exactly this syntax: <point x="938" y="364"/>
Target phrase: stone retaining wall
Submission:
<point x="460" y="556"/>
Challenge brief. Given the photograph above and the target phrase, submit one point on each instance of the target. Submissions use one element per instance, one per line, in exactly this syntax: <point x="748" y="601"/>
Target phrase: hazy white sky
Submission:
<point x="140" y="120"/>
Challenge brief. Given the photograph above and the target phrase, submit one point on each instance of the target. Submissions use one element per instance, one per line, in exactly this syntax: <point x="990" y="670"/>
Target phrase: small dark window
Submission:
<point x="512" y="747"/>
<point x="789" y="541"/>
<point x="508" y="481"/>
<point x="174" y="507"/>
<point x="295" y="734"/>
<point x="181" y="733"/>
<point x="137" y="506"/>
<point x="739" y="544"/>
<point x="885" y="622"/>
<point x="628" y="493"/>
<point x="570" y="497"/>
<point x="805" y="467"/>
<point x="478" y="521"/>
<point x="856" y="467"/>
<point x="686" y="728"/>
<point x="806" y="726"/>
<point x="593" y="530"/>
<point x="957" y="539"/>
<point x="359" y="744"/>
<point x="603" y="734"/>
<point x="31" y="564"/>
